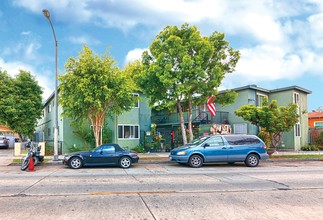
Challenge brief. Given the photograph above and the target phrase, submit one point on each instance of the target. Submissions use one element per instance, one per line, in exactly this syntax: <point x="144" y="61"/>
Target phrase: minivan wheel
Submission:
<point x="195" y="161"/>
<point x="252" y="160"/>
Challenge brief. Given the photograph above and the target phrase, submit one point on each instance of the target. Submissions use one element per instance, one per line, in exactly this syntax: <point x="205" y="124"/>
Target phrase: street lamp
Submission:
<point x="47" y="15"/>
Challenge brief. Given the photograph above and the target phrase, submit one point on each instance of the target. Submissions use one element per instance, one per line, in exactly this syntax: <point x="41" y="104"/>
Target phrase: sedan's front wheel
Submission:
<point x="125" y="162"/>
<point x="75" y="163"/>
<point x="195" y="161"/>
<point x="252" y="160"/>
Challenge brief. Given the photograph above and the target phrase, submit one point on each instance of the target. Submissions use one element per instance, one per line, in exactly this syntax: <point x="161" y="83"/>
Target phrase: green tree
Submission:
<point x="21" y="102"/>
<point x="181" y="66"/>
<point x="272" y="119"/>
<point x="93" y="87"/>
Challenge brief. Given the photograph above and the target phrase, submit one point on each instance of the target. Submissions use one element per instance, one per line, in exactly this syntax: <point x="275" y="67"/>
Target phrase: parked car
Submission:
<point x="221" y="148"/>
<point x="106" y="154"/>
<point x="4" y="142"/>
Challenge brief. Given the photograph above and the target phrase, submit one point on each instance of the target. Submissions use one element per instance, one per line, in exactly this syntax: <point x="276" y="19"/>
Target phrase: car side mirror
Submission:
<point x="206" y="145"/>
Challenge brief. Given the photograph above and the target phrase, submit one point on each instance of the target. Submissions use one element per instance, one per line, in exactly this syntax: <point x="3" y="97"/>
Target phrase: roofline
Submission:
<point x="49" y="98"/>
<point x="292" y="88"/>
<point x="253" y="86"/>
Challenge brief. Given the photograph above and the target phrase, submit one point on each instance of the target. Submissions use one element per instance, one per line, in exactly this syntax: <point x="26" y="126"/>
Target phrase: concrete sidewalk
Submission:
<point x="143" y="158"/>
<point x="158" y="157"/>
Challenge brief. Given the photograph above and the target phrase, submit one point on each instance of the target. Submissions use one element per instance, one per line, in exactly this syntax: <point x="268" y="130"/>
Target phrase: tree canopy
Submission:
<point x="272" y="119"/>
<point x="92" y="87"/>
<point x="183" y="66"/>
<point x="21" y="102"/>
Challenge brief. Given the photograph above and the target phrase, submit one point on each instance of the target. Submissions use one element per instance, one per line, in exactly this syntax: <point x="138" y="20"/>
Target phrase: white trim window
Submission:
<point x="49" y="108"/>
<point x="296" y="100"/>
<point x="128" y="131"/>
<point x="297" y="129"/>
<point x="260" y="99"/>
<point x="136" y="96"/>
<point x="318" y="124"/>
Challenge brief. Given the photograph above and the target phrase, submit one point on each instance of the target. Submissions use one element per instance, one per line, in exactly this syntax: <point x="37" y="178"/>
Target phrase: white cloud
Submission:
<point x="277" y="39"/>
<point x="14" y="67"/>
<point x="26" y="33"/>
<point x="84" y="40"/>
<point x="134" y="54"/>
<point x="316" y="27"/>
<point x="23" y="51"/>
<point x="67" y="10"/>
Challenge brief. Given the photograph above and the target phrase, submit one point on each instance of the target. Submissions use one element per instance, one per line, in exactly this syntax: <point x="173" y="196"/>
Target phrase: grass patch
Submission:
<point x="297" y="156"/>
<point x="19" y="160"/>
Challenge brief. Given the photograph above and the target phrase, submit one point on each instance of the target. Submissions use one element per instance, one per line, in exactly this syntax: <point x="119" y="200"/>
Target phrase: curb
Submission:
<point x="156" y="160"/>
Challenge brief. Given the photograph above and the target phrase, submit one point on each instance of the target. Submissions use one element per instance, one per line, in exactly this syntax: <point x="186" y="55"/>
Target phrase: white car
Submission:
<point x="4" y="142"/>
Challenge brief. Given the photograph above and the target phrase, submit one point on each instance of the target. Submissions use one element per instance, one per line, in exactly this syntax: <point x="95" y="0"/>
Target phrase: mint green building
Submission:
<point x="130" y="128"/>
<point x="127" y="129"/>
<point x="202" y="120"/>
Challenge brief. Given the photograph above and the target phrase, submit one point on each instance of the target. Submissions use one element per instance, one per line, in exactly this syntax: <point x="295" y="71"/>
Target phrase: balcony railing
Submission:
<point x="200" y="117"/>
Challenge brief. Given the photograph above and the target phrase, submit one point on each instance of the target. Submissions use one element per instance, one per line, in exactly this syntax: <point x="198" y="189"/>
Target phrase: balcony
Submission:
<point x="199" y="117"/>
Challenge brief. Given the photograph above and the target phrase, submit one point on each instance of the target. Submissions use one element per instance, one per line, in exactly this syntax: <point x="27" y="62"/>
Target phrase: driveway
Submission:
<point x="6" y="156"/>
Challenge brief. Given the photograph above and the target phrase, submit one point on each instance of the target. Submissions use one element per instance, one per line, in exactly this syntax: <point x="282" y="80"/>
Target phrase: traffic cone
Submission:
<point x="31" y="166"/>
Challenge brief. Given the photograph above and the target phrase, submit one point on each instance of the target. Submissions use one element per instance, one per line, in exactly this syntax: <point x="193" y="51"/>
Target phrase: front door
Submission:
<point x="215" y="150"/>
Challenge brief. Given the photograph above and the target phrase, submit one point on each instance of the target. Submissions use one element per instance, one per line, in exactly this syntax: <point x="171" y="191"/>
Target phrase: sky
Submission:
<point x="280" y="41"/>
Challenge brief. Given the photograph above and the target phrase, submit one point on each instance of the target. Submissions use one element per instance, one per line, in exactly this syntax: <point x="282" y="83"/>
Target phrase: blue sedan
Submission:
<point x="104" y="155"/>
<point x="221" y="148"/>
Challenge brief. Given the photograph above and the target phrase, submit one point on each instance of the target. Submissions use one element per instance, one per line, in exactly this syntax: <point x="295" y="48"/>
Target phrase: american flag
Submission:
<point x="211" y="105"/>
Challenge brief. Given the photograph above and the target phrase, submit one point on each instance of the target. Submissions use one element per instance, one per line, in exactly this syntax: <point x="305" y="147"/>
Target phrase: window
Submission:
<point x="260" y="99"/>
<point x="215" y="141"/>
<point x="108" y="149"/>
<point x="136" y="97"/>
<point x="296" y="98"/>
<point x="128" y="131"/>
<point x="240" y="128"/>
<point x="235" y="139"/>
<point x="241" y="140"/>
<point x="297" y="129"/>
<point x="251" y="140"/>
<point x="318" y="124"/>
<point x="49" y="108"/>
<point x="48" y="132"/>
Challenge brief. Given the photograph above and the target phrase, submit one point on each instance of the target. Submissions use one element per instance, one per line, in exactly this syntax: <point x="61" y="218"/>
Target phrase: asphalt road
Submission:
<point x="274" y="190"/>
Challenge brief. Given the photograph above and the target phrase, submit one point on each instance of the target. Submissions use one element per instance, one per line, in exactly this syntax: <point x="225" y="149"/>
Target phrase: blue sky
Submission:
<point x="281" y="41"/>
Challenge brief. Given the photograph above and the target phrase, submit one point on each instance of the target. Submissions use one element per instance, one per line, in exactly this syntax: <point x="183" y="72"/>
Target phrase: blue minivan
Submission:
<point x="229" y="148"/>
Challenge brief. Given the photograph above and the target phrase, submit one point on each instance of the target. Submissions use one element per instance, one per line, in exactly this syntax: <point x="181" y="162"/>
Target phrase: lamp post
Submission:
<point x="47" y="15"/>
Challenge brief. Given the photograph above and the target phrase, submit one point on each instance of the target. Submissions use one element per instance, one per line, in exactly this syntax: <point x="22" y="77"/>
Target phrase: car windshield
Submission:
<point x="197" y="141"/>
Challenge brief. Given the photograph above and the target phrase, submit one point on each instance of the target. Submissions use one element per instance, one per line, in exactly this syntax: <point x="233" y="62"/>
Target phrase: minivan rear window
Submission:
<point x="241" y="140"/>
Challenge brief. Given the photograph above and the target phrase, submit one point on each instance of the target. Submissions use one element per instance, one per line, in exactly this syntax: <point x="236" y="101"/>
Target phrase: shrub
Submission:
<point x="49" y="150"/>
<point x="139" y="149"/>
<point x="310" y="148"/>
<point x="75" y="148"/>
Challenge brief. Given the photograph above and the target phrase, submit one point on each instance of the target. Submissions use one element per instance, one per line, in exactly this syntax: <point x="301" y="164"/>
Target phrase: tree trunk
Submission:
<point x="182" y="121"/>
<point x="190" y="118"/>
<point x="276" y="139"/>
<point x="97" y="122"/>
